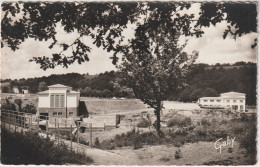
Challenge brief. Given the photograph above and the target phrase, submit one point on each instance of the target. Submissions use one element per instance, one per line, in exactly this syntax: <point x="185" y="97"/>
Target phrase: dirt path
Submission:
<point x="191" y="154"/>
<point x="103" y="157"/>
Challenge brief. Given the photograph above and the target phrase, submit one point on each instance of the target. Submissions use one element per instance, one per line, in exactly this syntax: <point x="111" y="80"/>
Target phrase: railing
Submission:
<point x="56" y="128"/>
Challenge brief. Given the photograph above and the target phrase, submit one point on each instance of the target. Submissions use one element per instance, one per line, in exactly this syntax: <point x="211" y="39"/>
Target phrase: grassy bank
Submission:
<point x="105" y="106"/>
<point x="30" y="148"/>
<point x="182" y="131"/>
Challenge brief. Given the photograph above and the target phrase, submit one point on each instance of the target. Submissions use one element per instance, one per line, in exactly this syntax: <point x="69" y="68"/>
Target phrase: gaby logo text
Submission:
<point x="220" y="143"/>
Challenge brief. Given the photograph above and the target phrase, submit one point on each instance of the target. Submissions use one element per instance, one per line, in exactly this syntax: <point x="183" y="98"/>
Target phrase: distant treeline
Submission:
<point x="203" y="80"/>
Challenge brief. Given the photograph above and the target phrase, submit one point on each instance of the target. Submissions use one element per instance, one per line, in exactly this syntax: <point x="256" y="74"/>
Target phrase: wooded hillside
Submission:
<point x="203" y="80"/>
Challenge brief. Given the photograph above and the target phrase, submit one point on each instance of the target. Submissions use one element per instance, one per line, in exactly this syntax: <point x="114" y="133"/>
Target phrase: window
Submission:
<point x="52" y="100"/>
<point x="234" y="101"/>
<point x="234" y="107"/>
<point x="228" y="101"/>
<point x="62" y="100"/>
<point x="241" y="107"/>
<point x="211" y="100"/>
<point x="70" y="113"/>
<point x="228" y="105"/>
<point x="205" y="100"/>
<point x="59" y="113"/>
<point x="241" y="101"/>
<point x="218" y="100"/>
<point x="54" y="113"/>
<point x="57" y="101"/>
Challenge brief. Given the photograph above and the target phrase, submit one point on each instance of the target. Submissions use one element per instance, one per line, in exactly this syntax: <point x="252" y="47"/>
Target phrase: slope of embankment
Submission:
<point x="107" y="106"/>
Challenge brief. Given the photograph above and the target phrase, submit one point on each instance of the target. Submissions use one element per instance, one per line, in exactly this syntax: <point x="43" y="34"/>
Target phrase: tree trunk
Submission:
<point x="158" y="121"/>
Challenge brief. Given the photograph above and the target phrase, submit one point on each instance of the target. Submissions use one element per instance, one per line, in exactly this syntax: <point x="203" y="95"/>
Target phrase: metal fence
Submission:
<point x="57" y="129"/>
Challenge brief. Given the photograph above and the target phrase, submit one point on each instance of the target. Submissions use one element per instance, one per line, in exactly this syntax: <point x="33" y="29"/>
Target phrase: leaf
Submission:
<point x="56" y="57"/>
<point x="65" y="46"/>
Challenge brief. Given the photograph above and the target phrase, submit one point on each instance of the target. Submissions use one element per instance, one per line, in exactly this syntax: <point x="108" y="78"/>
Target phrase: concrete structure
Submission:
<point x="16" y="90"/>
<point x="25" y="91"/>
<point x="233" y="100"/>
<point x="58" y="101"/>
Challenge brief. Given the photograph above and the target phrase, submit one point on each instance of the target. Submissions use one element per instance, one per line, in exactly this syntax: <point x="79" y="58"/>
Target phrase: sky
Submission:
<point x="212" y="49"/>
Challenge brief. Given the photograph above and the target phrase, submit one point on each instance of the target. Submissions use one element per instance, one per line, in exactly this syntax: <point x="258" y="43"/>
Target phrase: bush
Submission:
<point x="244" y="117"/>
<point x="248" y="138"/>
<point x="178" y="154"/>
<point x="144" y="123"/>
<point x="29" y="109"/>
<point x="30" y="148"/>
<point x="107" y="144"/>
<point x="201" y="132"/>
<point x="191" y="128"/>
<point x="177" y="144"/>
<point x="173" y="121"/>
<point x="8" y="106"/>
<point x="187" y="121"/>
<point x="205" y="122"/>
<point x="165" y="159"/>
<point x="223" y="122"/>
<point x="239" y="128"/>
<point x="181" y="121"/>
<point x="132" y="138"/>
<point x="96" y="143"/>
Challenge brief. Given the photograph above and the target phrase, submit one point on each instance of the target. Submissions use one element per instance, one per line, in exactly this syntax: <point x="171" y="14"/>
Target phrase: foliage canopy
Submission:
<point x="105" y="23"/>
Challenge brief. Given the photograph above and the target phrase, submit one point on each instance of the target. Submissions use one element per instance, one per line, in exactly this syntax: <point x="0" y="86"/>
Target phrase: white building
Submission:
<point x="58" y="101"/>
<point x="25" y="91"/>
<point x="233" y="100"/>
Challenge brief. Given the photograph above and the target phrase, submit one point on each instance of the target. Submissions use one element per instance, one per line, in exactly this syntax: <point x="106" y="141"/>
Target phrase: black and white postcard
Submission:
<point x="129" y="83"/>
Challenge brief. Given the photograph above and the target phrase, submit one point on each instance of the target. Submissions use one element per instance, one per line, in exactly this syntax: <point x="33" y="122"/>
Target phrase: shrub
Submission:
<point x="223" y="122"/>
<point x="244" y="117"/>
<point x="96" y="143"/>
<point x="149" y="138"/>
<point x="29" y="108"/>
<point x="173" y="121"/>
<point x="201" y="132"/>
<point x="239" y="128"/>
<point x="187" y="121"/>
<point x="177" y="144"/>
<point x="132" y="138"/>
<point x="107" y="144"/>
<point x="137" y="143"/>
<point x="178" y="154"/>
<point x="30" y="148"/>
<point x="181" y="121"/>
<point x="191" y="128"/>
<point x="248" y="140"/>
<point x="144" y="123"/>
<point x="8" y="106"/>
<point x="165" y="159"/>
<point x="181" y="132"/>
<point x="205" y="122"/>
